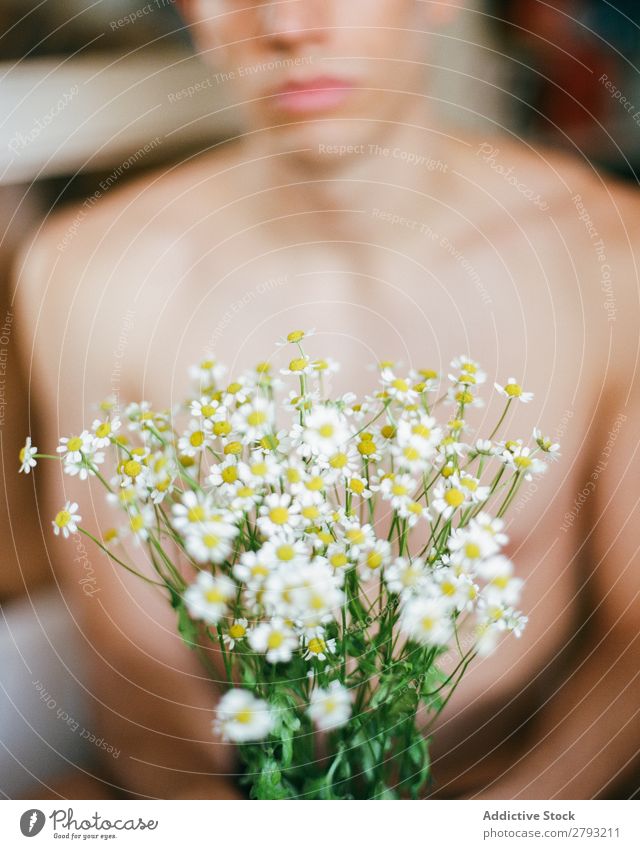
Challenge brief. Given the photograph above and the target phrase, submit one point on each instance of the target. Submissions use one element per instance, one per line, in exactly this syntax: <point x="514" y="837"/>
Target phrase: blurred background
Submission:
<point x="86" y="98"/>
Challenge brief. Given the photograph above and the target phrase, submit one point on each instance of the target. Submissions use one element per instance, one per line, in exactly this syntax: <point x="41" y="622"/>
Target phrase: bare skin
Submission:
<point x="236" y="248"/>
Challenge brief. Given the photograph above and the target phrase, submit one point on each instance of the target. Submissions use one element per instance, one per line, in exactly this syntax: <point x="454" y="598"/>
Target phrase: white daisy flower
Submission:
<point x="210" y="541"/>
<point x="466" y="365"/>
<point x="545" y="443"/>
<point x="278" y="514"/>
<point x="512" y="390"/>
<point x="66" y="521"/>
<point x="104" y="430"/>
<point x="373" y="561"/>
<point x="242" y="718"/>
<point x="450" y="496"/>
<point x="426" y="621"/>
<point x="521" y="459"/>
<point x="208" y="596"/>
<point x="317" y="646"/>
<point x="254" y="419"/>
<point x="330" y="708"/>
<point x="194" y="440"/>
<point x="73" y="447"/>
<point x="252" y="569"/>
<point x="207" y="373"/>
<point x="276" y="640"/>
<point x="326" y="431"/>
<point x="237" y="631"/>
<point x="405" y="576"/>
<point x="27" y="457"/>
<point x="194" y="509"/>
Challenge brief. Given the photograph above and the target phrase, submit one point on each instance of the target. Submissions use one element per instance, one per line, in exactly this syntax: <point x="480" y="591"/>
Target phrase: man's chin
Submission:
<point x="322" y="141"/>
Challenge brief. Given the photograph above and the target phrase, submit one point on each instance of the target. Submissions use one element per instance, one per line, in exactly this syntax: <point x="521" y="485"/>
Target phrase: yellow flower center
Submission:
<point x="63" y="518"/>
<point x="297" y="364"/>
<point x="244" y="491"/>
<point x="356" y="486"/>
<point x="279" y="515"/>
<point x="400" y="385"/>
<point x="454" y="497"/>
<point x="317" y="645"/>
<point x="256" y="418"/>
<point x="234" y="388"/>
<point x="398" y="489"/>
<point x="211" y="540"/>
<point x="295" y="336"/>
<point x="222" y="428"/>
<point x="103" y="430"/>
<point x="522" y="462"/>
<point x="310" y="512"/>
<point x="74" y="444"/>
<point x="214" y="596"/>
<point x="132" y="468"/>
<point x="355" y="536"/>
<point x="338" y="461"/>
<point x="207" y="410"/>
<point x="244" y="717"/>
<point x="233" y="448"/>
<point x="427" y="623"/>
<point x="374" y="559"/>
<point x="470" y="484"/>
<point x="197" y="438"/>
<point x="285" y="552"/>
<point x="513" y="390"/>
<point x="472" y="550"/>
<point x="275" y="640"/>
<point x="315" y="484"/>
<point x="137" y="523"/>
<point x="464" y="397"/>
<point x="338" y="560"/>
<point x="230" y="474"/>
<point x="366" y="447"/>
<point x="259" y="469"/>
<point x="23" y="454"/>
<point x="237" y="631"/>
<point x="196" y="514"/>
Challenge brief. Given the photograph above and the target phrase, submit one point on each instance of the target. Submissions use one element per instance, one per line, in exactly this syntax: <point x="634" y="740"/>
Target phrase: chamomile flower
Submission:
<point x="66" y="520"/>
<point x="193" y="509"/>
<point x="299" y="366"/>
<point x="326" y="431"/>
<point x="211" y="541"/>
<point x="514" y="391"/>
<point x="449" y="496"/>
<point x="28" y="457"/>
<point x="73" y="447"/>
<point x="252" y="569"/>
<point x="373" y="561"/>
<point x="405" y="576"/>
<point x="331" y="707"/>
<point x="295" y="337"/>
<point x="207" y="597"/>
<point x="237" y="631"/>
<point x="104" y="431"/>
<point x="276" y="640"/>
<point x="317" y="646"/>
<point x="465" y="365"/>
<point x="194" y="440"/>
<point x="545" y="443"/>
<point x="207" y="374"/>
<point x="278" y="514"/>
<point x="521" y="459"/>
<point x="242" y="718"/>
<point x="254" y="419"/>
<point x="426" y="621"/>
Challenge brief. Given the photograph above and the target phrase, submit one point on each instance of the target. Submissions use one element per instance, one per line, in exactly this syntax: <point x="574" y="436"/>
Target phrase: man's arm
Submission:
<point x="587" y="734"/>
<point x="149" y="695"/>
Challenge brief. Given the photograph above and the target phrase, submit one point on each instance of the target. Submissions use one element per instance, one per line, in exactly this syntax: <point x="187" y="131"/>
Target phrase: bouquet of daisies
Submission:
<point x="337" y="549"/>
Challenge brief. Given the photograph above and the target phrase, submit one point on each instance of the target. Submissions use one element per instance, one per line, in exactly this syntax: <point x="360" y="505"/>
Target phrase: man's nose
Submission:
<point x="290" y="22"/>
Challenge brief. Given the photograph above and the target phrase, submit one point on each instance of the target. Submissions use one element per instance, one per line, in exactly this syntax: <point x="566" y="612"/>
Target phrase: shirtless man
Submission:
<point x="345" y="207"/>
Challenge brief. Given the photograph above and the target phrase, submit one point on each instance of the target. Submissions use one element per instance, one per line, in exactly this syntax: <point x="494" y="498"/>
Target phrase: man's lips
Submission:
<point x="311" y="95"/>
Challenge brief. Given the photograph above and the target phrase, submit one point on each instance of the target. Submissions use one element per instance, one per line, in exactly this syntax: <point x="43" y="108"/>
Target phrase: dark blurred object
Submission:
<point x="573" y="63"/>
<point x="32" y="28"/>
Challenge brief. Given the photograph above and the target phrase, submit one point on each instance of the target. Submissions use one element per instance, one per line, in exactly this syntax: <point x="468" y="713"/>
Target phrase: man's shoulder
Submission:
<point x="124" y="225"/>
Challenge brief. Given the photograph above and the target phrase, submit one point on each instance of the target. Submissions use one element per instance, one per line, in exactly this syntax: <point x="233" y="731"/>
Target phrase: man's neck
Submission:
<point x="404" y="169"/>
